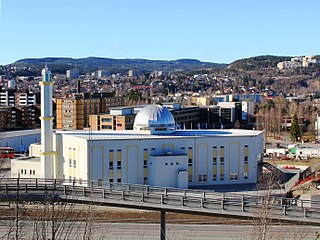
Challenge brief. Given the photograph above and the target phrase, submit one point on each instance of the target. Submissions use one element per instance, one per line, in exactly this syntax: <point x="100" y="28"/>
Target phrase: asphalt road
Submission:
<point x="137" y="231"/>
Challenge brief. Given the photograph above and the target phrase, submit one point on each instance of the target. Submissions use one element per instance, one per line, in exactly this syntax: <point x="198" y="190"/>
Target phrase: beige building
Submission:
<point x="121" y="118"/>
<point x="73" y="112"/>
<point x="201" y="101"/>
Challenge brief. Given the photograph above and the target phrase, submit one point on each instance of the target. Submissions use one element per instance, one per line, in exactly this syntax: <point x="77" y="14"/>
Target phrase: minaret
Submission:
<point x="46" y="124"/>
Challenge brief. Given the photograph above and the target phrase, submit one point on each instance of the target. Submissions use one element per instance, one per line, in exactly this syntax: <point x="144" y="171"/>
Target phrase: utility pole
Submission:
<point x="162" y="225"/>
<point x="17" y="207"/>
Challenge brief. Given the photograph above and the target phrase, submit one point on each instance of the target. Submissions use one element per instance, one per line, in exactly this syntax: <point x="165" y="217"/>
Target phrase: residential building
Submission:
<point x="72" y="74"/>
<point x="120" y="118"/>
<point x="73" y="111"/>
<point x="27" y="98"/>
<point x="7" y="97"/>
<point x="9" y="117"/>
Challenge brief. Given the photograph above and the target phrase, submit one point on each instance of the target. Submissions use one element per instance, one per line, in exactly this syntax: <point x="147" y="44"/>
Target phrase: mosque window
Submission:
<point x="190" y="156"/>
<point x="145" y="158"/>
<point x="214" y="177"/>
<point x="111" y="165"/>
<point x="204" y="177"/>
<point x="233" y="176"/>
<point x="214" y="160"/>
<point x="221" y="176"/>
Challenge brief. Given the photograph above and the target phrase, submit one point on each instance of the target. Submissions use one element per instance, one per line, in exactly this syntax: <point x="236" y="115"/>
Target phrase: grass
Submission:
<point x="314" y="163"/>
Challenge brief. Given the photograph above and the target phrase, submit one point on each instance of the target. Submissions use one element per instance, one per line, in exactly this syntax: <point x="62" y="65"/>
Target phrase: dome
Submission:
<point x="154" y="119"/>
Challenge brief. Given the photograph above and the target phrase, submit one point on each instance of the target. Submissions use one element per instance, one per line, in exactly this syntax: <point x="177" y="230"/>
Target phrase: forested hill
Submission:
<point x="259" y="62"/>
<point x="115" y="65"/>
<point x="32" y="66"/>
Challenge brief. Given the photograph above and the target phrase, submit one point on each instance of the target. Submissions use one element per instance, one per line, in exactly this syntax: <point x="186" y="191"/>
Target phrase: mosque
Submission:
<point x="154" y="153"/>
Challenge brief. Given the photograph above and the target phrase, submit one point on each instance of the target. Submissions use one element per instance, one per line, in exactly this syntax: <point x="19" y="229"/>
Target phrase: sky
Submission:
<point x="218" y="31"/>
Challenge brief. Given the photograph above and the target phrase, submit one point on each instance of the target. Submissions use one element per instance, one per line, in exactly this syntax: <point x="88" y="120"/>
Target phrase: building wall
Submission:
<point x="26" y="168"/>
<point x="170" y="165"/>
<point x="71" y="161"/>
<point x="73" y="112"/>
<point x="19" y="140"/>
<point x="110" y="122"/>
<point x="187" y="118"/>
<point x="30" y="116"/>
<point x="211" y="160"/>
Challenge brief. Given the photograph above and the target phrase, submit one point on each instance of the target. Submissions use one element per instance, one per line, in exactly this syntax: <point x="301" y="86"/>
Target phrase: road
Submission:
<point x="138" y="231"/>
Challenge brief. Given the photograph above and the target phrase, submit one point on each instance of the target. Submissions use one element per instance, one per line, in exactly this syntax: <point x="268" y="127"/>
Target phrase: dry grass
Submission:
<point x="314" y="163"/>
<point x="116" y="215"/>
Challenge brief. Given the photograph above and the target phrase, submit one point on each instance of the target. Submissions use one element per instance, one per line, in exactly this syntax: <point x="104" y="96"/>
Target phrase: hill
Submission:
<point x="259" y="62"/>
<point x="60" y="65"/>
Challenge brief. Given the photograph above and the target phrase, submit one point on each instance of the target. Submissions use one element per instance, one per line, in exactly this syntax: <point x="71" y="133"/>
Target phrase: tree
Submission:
<point x="295" y="129"/>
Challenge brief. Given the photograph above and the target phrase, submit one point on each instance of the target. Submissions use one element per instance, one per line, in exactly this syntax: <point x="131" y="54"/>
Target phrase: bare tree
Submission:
<point x="263" y="220"/>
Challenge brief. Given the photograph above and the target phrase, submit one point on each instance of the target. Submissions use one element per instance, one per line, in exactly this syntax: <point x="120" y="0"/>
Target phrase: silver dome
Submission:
<point x="154" y="118"/>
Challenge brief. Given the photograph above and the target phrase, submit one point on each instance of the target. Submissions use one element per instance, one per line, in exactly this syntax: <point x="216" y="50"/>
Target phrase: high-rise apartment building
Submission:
<point x="72" y="74"/>
<point x="73" y="112"/>
<point x="27" y="98"/>
<point x="7" y="97"/>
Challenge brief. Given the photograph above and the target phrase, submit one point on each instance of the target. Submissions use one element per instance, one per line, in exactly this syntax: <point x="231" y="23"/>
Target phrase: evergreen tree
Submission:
<point x="295" y="129"/>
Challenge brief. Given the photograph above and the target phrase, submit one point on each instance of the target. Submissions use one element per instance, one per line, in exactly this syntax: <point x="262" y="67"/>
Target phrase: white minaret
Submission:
<point x="46" y="124"/>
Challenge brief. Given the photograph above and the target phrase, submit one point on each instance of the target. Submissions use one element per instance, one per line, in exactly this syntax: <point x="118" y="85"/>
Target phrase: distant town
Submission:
<point x="233" y="140"/>
<point x="262" y="93"/>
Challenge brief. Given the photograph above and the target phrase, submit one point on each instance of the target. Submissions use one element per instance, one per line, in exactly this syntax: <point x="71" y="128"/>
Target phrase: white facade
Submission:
<point x="307" y="152"/>
<point x="26" y="168"/>
<point x="247" y="110"/>
<point x="46" y="124"/>
<point x="120" y="111"/>
<point x="7" y="98"/>
<point x="72" y="73"/>
<point x="214" y="157"/>
<point x="155" y="153"/>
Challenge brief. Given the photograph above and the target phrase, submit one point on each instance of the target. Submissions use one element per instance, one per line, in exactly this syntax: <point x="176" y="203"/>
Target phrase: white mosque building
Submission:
<point x="154" y="153"/>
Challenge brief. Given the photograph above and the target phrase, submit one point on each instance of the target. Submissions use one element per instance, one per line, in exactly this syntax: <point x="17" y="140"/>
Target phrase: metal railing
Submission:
<point x="159" y="198"/>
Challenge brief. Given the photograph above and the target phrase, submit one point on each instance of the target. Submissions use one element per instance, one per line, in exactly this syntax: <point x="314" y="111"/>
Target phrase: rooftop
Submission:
<point x="131" y="134"/>
<point x="10" y="134"/>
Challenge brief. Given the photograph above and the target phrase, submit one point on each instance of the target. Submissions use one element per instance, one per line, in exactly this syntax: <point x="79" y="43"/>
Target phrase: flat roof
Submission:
<point x="27" y="159"/>
<point x="131" y="134"/>
<point x="19" y="133"/>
